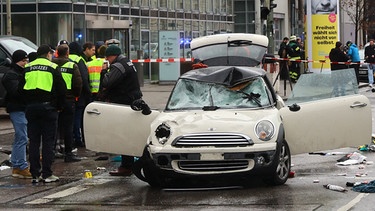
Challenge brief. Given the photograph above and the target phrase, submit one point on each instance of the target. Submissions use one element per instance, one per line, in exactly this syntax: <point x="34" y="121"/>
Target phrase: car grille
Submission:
<point x="212" y="139"/>
<point x="213" y="166"/>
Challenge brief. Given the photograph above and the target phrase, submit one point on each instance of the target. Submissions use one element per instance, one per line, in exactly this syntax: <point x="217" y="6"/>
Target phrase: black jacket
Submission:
<point x="120" y="84"/>
<point x="56" y="97"/>
<point x="337" y="55"/>
<point x="11" y="80"/>
<point x="370" y="54"/>
<point x="85" y="97"/>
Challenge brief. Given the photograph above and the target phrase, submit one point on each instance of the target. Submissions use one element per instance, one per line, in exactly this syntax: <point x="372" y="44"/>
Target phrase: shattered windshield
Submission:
<point x="318" y="86"/>
<point x="191" y="94"/>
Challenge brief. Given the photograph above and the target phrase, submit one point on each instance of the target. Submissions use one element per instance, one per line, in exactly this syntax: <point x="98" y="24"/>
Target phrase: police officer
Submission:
<point x="120" y="85"/>
<point x="73" y="81"/>
<point x="75" y="55"/>
<point x="95" y="67"/>
<point x="294" y="53"/>
<point x="44" y="91"/>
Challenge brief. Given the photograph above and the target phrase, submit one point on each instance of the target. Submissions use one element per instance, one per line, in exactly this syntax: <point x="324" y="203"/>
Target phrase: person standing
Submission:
<point x="353" y="54"/>
<point x="75" y="55"/>
<point x="44" y="90"/>
<point x="73" y="81"/>
<point x="95" y="67"/>
<point x="338" y="57"/>
<point x="370" y="59"/>
<point x="283" y="55"/>
<point x="120" y="84"/>
<point x="294" y="53"/>
<point x="338" y="61"/>
<point x="15" y="106"/>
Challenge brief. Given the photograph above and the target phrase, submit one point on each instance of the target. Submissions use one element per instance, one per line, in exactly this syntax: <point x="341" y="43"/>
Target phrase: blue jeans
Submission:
<point x="18" y="158"/>
<point x="370" y="69"/>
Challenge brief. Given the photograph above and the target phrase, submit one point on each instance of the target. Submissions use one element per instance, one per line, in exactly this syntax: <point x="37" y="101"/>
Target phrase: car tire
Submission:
<point x="283" y="164"/>
<point x="145" y="170"/>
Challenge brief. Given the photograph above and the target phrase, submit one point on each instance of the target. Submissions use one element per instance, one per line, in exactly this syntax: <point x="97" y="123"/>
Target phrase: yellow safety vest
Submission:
<point x="75" y="58"/>
<point x="38" y="74"/>
<point x="67" y="73"/>
<point x="95" y="67"/>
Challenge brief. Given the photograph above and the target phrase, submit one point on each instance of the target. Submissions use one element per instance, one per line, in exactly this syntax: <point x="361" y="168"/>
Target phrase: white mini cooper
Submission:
<point x="223" y="118"/>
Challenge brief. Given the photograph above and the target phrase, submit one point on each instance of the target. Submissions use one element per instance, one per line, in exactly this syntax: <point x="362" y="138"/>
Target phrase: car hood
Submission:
<point x="220" y="121"/>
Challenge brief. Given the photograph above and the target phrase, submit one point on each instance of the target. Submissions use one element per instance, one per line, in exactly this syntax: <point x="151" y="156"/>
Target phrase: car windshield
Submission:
<point x="14" y="44"/>
<point x="318" y="86"/>
<point x="239" y="53"/>
<point x="191" y="94"/>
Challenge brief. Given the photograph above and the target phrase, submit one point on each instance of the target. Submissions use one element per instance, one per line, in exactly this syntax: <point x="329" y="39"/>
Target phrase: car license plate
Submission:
<point x="212" y="156"/>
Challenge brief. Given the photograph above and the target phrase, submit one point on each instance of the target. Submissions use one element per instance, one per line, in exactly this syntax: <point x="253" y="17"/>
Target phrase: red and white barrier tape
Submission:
<point x="163" y="60"/>
<point x="306" y="61"/>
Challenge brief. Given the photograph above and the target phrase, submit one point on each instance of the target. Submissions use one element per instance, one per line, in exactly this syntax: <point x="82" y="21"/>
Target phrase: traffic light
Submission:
<point x="264" y="11"/>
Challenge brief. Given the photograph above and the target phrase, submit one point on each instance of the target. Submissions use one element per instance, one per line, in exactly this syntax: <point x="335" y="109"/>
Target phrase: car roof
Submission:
<point x="256" y="39"/>
<point x="229" y="76"/>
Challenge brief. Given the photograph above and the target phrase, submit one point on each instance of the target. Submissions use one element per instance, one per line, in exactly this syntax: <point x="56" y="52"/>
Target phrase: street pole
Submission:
<point x="9" y="19"/>
<point x="271" y="44"/>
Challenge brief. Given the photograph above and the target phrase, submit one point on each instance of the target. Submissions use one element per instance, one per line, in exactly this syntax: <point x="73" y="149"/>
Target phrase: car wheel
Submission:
<point x="145" y="170"/>
<point x="283" y="163"/>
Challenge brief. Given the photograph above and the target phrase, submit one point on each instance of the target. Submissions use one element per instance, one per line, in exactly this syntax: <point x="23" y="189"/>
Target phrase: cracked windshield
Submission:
<point x="312" y="87"/>
<point x="190" y="94"/>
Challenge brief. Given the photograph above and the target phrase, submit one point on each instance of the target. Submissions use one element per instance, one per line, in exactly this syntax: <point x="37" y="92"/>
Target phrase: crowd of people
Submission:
<point x="47" y="92"/>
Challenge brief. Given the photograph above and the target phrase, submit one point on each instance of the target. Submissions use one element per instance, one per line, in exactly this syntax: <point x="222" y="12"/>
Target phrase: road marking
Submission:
<point x="68" y="192"/>
<point x="353" y="202"/>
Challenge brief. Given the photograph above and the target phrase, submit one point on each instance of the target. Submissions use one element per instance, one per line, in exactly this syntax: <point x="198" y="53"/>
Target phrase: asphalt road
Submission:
<point x="304" y="191"/>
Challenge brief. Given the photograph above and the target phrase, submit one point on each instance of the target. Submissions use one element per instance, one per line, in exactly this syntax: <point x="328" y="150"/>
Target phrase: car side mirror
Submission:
<point x="294" y="107"/>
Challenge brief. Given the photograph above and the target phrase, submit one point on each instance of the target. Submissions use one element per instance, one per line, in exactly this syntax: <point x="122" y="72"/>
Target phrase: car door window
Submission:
<point x="3" y="56"/>
<point x="319" y="86"/>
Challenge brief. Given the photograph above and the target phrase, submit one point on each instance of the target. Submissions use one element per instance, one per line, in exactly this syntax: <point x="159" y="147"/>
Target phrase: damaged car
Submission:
<point x="224" y="119"/>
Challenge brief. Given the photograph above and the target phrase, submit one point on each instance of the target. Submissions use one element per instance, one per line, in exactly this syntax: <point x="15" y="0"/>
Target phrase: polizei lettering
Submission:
<point x="38" y="67"/>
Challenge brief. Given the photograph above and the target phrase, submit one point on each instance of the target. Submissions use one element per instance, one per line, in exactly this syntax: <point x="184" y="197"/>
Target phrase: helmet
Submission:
<point x="293" y="38"/>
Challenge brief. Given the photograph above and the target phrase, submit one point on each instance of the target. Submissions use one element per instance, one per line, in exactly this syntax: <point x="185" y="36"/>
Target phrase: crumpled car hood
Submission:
<point x="225" y="121"/>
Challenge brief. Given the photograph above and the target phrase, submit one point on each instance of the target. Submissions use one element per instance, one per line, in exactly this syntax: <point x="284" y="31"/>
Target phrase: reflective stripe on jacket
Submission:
<point x="38" y="75"/>
<point x="95" y="67"/>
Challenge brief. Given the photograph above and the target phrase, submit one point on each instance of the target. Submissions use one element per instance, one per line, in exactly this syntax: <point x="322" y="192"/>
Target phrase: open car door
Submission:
<point x="117" y="129"/>
<point x="326" y="116"/>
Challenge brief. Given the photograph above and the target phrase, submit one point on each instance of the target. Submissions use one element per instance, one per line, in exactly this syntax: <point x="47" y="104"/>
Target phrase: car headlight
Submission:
<point x="264" y="130"/>
<point x="162" y="133"/>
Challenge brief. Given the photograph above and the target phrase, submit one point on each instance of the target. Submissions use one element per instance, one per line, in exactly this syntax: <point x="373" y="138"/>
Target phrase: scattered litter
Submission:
<point x="335" y="188"/>
<point x="116" y="159"/>
<point x="352" y="184"/>
<point x="351" y="159"/>
<point x="102" y="158"/>
<point x="365" y="187"/>
<point x="327" y="153"/>
<point x="4" y="167"/>
<point x="363" y="148"/>
<point x="361" y="167"/>
<point x="100" y="168"/>
<point x="342" y="174"/>
<point x="316" y="181"/>
<point x="292" y="174"/>
<point x="361" y="174"/>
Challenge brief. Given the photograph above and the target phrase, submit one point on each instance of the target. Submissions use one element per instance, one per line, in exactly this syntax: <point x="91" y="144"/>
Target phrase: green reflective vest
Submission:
<point x="67" y="73"/>
<point x="95" y="67"/>
<point x="75" y="58"/>
<point x="38" y="74"/>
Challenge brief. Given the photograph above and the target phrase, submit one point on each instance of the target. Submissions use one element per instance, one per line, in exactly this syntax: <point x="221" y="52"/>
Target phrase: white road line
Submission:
<point x="353" y="202"/>
<point x="68" y="192"/>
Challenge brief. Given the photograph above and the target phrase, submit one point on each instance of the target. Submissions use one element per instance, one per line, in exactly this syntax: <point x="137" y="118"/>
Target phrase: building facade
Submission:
<point x="136" y="23"/>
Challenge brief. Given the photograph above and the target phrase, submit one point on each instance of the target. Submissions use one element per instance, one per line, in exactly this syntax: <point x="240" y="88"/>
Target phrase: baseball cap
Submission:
<point x="62" y="42"/>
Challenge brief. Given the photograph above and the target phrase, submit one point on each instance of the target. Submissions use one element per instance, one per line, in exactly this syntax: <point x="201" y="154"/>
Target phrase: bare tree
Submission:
<point x="355" y="9"/>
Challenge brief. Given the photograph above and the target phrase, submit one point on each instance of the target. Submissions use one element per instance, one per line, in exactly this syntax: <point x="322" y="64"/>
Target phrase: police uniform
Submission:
<point x="44" y="91"/>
